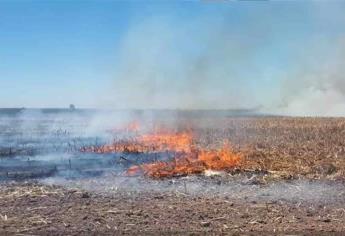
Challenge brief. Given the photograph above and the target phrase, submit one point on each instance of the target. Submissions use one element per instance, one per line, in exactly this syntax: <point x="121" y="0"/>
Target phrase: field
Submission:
<point x="290" y="179"/>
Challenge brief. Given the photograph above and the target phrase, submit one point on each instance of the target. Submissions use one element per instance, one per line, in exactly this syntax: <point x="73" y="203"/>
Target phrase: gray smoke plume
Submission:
<point x="207" y="63"/>
<point x="194" y="66"/>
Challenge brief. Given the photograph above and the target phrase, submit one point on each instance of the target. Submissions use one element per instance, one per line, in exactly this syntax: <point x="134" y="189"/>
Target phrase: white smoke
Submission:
<point x="317" y="88"/>
<point x="193" y="66"/>
<point x="205" y="63"/>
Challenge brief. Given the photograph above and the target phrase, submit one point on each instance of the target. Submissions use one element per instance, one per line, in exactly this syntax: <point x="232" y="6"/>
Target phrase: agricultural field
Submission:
<point x="82" y="172"/>
<point x="172" y="117"/>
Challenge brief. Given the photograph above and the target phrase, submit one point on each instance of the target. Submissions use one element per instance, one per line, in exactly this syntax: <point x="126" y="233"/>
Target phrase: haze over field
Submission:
<point x="277" y="57"/>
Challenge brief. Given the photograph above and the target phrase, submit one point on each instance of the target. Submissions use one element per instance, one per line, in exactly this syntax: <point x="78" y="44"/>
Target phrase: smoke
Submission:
<point x="292" y="191"/>
<point x="208" y="62"/>
<point x="317" y="86"/>
<point x="194" y="65"/>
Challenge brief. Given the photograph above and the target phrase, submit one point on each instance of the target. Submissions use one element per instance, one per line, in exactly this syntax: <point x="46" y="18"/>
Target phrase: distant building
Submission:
<point x="72" y="107"/>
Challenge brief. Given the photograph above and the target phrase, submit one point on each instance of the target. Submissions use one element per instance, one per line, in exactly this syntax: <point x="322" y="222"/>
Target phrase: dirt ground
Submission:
<point x="277" y="150"/>
<point x="31" y="209"/>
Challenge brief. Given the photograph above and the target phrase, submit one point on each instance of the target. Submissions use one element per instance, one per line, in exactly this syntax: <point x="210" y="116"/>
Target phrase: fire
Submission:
<point x="180" y="142"/>
<point x="195" y="162"/>
<point x="188" y="159"/>
<point x="168" y="142"/>
<point x="221" y="159"/>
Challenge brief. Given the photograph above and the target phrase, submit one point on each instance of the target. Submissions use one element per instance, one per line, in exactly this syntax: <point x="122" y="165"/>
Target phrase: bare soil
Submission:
<point x="33" y="209"/>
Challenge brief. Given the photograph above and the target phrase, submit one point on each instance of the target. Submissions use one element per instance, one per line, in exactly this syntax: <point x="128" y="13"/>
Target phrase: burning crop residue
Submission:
<point x="148" y="143"/>
<point x="194" y="162"/>
<point x="187" y="159"/>
<point x="180" y="142"/>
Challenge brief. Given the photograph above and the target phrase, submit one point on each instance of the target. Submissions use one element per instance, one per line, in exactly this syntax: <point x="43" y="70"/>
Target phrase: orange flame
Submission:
<point x="180" y="142"/>
<point x="190" y="163"/>
<point x="168" y="142"/>
<point x="188" y="159"/>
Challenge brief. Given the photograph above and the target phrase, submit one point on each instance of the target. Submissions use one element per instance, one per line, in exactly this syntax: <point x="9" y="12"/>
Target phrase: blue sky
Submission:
<point x="163" y="54"/>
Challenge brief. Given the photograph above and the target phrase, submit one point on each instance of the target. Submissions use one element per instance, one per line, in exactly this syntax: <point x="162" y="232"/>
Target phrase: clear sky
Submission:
<point x="165" y="54"/>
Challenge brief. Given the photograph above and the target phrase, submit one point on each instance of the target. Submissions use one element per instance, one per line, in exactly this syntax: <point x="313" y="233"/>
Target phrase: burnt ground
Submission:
<point x="290" y="182"/>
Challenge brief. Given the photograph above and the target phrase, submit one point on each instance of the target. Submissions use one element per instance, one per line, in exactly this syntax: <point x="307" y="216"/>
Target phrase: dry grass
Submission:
<point x="289" y="147"/>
